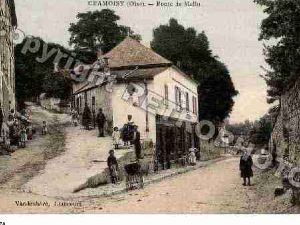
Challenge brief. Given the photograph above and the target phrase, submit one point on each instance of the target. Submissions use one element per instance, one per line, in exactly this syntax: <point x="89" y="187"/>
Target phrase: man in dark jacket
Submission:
<point x="246" y="167"/>
<point x="100" y="122"/>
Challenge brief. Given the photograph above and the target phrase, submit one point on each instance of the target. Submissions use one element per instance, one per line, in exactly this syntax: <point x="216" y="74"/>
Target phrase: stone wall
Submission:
<point x="7" y="60"/>
<point x="288" y="120"/>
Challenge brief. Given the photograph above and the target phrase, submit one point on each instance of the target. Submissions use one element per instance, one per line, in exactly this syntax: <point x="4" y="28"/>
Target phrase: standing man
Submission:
<point x="100" y="122"/>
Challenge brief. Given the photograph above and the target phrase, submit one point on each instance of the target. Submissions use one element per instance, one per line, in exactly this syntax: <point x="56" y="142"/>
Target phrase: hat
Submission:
<point x="111" y="151"/>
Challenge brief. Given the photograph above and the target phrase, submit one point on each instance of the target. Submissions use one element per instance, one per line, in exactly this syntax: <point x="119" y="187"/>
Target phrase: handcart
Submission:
<point x="134" y="176"/>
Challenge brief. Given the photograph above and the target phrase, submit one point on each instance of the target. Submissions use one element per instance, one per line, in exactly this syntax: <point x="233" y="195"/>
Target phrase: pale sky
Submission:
<point x="232" y="27"/>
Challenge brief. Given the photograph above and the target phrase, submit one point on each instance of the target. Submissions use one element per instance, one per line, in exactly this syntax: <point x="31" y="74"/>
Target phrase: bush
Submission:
<point x="210" y="151"/>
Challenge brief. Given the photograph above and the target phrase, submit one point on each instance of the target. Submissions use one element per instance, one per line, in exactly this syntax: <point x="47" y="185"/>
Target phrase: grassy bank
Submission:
<point x="266" y="202"/>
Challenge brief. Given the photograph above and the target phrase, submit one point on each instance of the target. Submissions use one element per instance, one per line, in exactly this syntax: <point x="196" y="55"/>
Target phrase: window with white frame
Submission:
<point x="166" y="98"/>
<point x="187" y="101"/>
<point x="178" y="98"/>
<point x="194" y="105"/>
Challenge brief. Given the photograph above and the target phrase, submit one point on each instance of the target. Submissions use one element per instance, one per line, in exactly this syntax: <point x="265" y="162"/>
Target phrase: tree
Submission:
<point x="191" y="52"/>
<point x="56" y="85"/>
<point x="34" y="77"/>
<point x="98" y="30"/>
<point x="261" y="131"/>
<point x="282" y="27"/>
<point x="216" y="92"/>
<point x="239" y="129"/>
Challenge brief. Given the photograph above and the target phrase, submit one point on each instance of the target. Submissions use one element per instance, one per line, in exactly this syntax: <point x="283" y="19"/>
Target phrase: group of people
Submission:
<point x="128" y="135"/>
<point x="16" y="131"/>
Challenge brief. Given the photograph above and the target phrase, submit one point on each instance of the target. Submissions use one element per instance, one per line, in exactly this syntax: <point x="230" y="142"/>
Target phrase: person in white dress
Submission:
<point x="116" y="135"/>
<point x="192" y="157"/>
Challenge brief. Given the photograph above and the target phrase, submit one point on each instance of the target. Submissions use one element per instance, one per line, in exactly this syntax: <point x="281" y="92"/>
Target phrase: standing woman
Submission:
<point x="86" y="117"/>
<point x="137" y="143"/>
<point x="246" y="167"/>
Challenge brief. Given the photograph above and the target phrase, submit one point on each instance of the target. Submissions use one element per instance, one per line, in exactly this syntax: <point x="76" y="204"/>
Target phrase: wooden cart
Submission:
<point x="134" y="176"/>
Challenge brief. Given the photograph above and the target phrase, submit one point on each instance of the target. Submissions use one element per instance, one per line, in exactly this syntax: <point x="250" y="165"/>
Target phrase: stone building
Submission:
<point x="161" y="99"/>
<point x="8" y="23"/>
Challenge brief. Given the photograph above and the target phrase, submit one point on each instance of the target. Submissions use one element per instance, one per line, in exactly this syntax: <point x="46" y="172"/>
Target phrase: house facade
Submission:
<point x="161" y="99"/>
<point x="8" y="23"/>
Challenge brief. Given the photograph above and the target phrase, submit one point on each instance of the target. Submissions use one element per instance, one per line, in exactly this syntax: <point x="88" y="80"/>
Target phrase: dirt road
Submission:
<point x="39" y="179"/>
<point x="213" y="189"/>
<point x="216" y="188"/>
<point x="23" y="164"/>
<point x="68" y="171"/>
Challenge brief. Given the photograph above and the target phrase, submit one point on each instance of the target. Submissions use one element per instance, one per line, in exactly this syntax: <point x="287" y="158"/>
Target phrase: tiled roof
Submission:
<point x="130" y="53"/>
<point x="148" y="73"/>
<point x="131" y="75"/>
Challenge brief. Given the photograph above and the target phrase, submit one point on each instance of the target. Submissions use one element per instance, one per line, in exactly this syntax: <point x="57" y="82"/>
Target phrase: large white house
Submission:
<point x="162" y="99"/>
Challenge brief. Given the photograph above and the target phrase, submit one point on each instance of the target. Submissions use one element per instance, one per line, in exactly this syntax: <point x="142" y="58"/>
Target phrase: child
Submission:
<point x="74" y="118"/>
<point x="23" y="138"/>
<point x="45" y="129"/>
<point x="29" y="132"/>
<point x="192" y="157"/>
<point x="112" y="164"/>
<point x="116" y="135"/>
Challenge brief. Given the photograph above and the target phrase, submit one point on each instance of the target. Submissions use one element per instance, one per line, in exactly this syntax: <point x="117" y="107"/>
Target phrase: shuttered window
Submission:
<point x="187" y="101"/>
<point x="178" y="98"/>
<point x="195" y="105"/>
<point x="166" y="96"/>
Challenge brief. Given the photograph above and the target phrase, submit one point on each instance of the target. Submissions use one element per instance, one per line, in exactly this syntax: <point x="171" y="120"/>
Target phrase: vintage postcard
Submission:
<point x="149" y="107"/>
